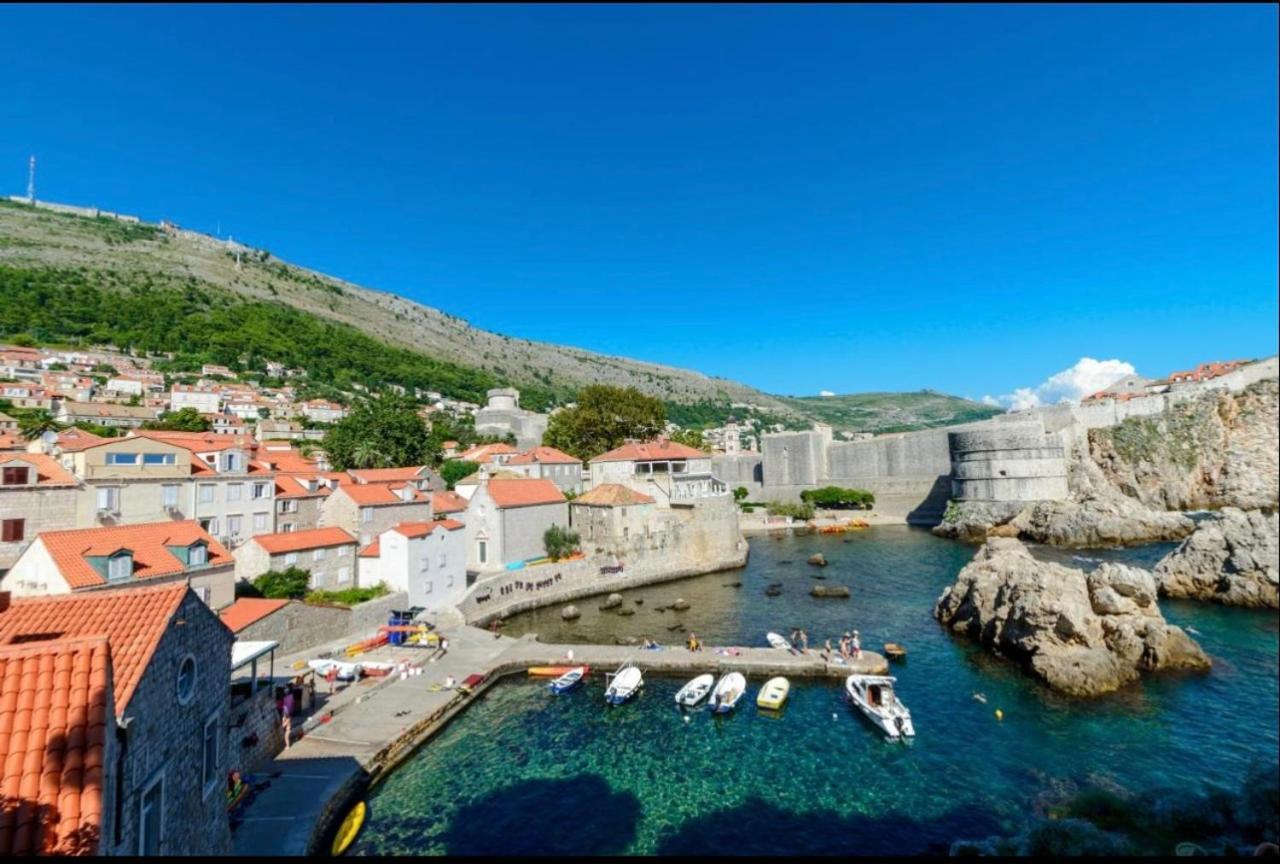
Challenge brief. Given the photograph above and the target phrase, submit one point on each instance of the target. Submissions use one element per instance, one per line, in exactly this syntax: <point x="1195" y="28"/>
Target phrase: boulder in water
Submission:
<point x="817" y="559"/>
<point x="1230" y="559"/>
<point x="613" y="601"/>
<point x="829" y="591"/>
<point x="570" y="613"/>
<point x="680" y="605"/>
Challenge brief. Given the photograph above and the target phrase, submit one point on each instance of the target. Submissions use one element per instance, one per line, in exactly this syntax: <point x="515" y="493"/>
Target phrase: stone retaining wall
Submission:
<point x="298" y="626"/>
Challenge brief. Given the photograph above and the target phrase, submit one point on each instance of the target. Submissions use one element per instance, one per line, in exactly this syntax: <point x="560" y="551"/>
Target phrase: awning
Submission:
<point x="244" y="653"/>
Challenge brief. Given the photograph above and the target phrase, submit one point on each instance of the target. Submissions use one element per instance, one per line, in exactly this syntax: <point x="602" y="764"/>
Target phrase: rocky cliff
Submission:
<point x="1083" y="634"/>
<point x="1233" y="558"/>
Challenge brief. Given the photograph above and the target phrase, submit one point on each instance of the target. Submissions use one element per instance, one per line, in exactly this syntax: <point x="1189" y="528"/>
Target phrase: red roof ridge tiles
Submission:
<point x="311" y="538"/>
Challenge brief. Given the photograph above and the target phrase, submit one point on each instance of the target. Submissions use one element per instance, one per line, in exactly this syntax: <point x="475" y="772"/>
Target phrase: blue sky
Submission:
<point x="802" y="198"/>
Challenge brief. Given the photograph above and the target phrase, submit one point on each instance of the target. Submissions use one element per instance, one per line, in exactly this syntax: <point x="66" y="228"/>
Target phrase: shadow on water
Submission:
<point x="576" y="816"/>
<point x="757" y="827"/>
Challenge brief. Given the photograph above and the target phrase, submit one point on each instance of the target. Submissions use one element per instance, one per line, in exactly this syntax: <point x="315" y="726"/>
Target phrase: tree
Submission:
<point x="559" y="542"/>
<point x="186" y="420"/>
<point x="32" y="424"/>
<point x="383" y="432"/>
<point x="290" y="584"/>
<point x="604" y="418"/>
<point x="691" y="438"/>
<point x="454" y="470"/>
<point x="740" y="494"/>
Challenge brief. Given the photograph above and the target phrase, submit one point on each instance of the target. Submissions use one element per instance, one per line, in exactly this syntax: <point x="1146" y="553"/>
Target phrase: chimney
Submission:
<point x="4" y="600"/>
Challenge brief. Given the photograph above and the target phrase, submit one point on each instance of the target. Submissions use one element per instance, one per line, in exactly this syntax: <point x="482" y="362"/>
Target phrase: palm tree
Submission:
<point x="368" y="455"/>
<point x="33" y="424"/>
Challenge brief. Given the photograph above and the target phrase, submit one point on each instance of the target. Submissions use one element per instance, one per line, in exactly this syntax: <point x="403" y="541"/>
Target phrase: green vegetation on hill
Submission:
<point x="891" y="412"/>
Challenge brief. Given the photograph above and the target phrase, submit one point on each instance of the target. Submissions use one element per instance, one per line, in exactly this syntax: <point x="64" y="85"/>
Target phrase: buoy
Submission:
<point x="999" y="714"/>
<point x="835" y="716"/>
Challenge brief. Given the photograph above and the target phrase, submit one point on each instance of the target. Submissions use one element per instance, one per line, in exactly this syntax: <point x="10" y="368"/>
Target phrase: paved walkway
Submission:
<point x="366" y="727"/>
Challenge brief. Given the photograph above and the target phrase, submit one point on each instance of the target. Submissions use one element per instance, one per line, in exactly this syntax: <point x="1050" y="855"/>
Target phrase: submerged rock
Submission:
<point x="680" y="605"/>
<point x="817" y="559"/>
<point x="1082" y="634"/>
<point x="1230" y="559"/>
<point x="570" y="612"/>
<point x="612" y="601"/>
<point x="829" y="591"/>
<point x="627" y="611"/>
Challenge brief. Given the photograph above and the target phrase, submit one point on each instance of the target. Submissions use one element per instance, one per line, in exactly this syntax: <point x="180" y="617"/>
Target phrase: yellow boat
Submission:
<point x="349" y="828"/>
<point x="774" y="693"/>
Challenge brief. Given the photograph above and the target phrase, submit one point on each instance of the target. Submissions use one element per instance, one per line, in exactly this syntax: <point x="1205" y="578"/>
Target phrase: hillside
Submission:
<point x="890" y="412"/>
<point x="81" y="280"/>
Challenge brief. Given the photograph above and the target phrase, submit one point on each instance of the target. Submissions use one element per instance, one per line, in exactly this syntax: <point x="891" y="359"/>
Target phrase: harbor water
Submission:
<point x="524" y="772"/>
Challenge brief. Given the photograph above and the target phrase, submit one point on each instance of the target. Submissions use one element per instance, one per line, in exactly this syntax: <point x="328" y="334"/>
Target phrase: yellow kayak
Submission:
<point x="774" y="693"/>
<point x="349" y="828"/>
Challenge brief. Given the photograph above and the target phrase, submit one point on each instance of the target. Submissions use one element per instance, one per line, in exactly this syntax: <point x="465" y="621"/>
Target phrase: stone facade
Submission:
<point x="299" y="626"/>
<point x="497" y="536"/>
<point x="367" y="521"/>
<point x="331" y="567"/>
<point x="1013" y="462"/>
<point x="504" y="416"/>
<point x="38" y="506"/>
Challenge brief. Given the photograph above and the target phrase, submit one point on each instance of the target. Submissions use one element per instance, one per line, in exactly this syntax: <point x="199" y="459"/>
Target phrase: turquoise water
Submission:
<point x="524" y="772"/>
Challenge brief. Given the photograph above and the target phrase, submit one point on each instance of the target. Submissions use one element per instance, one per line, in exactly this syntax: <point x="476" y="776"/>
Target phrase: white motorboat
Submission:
<point x="874" y="696"/>
<point x="346" y="671"/>
<point x="695" y="691"/>
<point x="777" y="641"/>
<point x="623" y="685"/>
<point x="729" y="689"/>
<point x="568" y="680"/>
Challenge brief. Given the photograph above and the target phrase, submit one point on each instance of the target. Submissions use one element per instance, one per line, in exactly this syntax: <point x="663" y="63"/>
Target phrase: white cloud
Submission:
<point x="825" y="393"/>
<point x="1069" y="385"/>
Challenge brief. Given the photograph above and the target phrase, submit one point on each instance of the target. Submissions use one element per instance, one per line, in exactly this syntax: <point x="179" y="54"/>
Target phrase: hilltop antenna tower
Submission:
<point x="31" y="181"/>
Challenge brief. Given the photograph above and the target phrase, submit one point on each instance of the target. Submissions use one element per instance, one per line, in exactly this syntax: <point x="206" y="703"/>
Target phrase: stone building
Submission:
<point x="548" y="463"/>
<point x="328" y="554"/>
<point x="1012" y="462"/>
<point x="366" y="510"/>
<point x="299" y="499"/>
<point x="610" y="512"/>
<point x="504" y="416"/>
<point x="158" y="786"/>
<point x="100" y="560"/>
<point x="36" y="495"/>
<point x="507" y="518"/>
<point x="664" y="470"/>
<point x="428" y="560"/>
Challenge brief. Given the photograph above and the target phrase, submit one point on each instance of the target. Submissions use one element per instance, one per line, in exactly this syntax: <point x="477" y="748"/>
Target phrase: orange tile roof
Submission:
<point x="295" y="485"/>
<point x="482" y="454"/>
<point x="199" y="442"/>
<point x="612" y="495"/>
<point x="247" y="610"/>
<point x="132" y="619"/>
<point x="447" y="502"/>
<point x="652" y="451"/>
<point x="48" y="471"/>
<point x="524" y="492"/>
<point x="386" y="475"/>
<point x="378" y="494"/>
<point x="422" y="529"/>
<point x="12" y="441"/>
<point x="55" y="709"/>
<point x="286" y="460"/>
<point x="548" y="455"/>
<point x="373" y="550"/>
<point x="294" y="541"/>
<point x="75" y="439"/>
<point x="147" y="541"/>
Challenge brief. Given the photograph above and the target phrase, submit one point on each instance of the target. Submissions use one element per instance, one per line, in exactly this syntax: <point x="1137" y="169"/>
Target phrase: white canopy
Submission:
<point x="244" y="653"/>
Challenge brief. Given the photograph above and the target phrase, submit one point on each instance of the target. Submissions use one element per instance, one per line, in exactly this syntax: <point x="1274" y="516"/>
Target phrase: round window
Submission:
<point x="187" y="680"/>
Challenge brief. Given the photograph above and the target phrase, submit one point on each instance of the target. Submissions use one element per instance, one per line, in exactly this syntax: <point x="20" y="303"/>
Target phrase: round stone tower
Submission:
<point x="1007" y="462"/>
<point x="504" y="399"/>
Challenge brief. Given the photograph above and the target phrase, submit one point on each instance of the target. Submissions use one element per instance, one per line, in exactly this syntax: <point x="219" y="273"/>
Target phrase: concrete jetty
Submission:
<point x="372" y="726"/>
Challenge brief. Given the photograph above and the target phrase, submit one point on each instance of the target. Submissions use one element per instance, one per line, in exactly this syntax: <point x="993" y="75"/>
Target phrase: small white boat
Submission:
<point x="625" y="683"/>
<point x="346" y="671"/>
<point x="695" y="691"/>
<point x="774" y="693"/>
<point x="729" y="689"/>
<point x="873" y="695"/>
<point x="568" y="680"/>
<point x="777" y="641"/>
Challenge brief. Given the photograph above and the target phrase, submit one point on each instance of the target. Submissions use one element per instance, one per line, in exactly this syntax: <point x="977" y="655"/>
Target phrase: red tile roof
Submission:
<point x="422" y="529"/>
<point x="378" y="494"/>
<point x="483" y="453"/>
<point x="286" y="460"/>
<point x="387" y="475"/>
<point x="652" y="451"/>
<point x="48" y="471"/>
<point x="247" y="610"/>
<point x="55" y="715"/>
<point x="547" y="455"/>
<point x="75" y="439"/>
<point x="524" y="492"/>
<point x="294" y="541"/>
<point x="612" y="495"/>
<point x="198" y="442"/>
<point x="147" y="541"/>
<point x="447" y="502"/>
<point x="373" y="550"/>
<point x="132" y="619"/>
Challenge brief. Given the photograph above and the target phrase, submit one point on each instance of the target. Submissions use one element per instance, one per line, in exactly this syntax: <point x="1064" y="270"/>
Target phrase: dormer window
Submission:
<point x="120" y="566"/>
<point x="16" y="475"/>
<point x="197" y="554"/>
<point x="233" y="462"/>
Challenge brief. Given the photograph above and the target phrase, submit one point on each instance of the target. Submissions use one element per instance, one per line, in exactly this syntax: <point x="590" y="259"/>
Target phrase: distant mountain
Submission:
<point x="81" y="279"/>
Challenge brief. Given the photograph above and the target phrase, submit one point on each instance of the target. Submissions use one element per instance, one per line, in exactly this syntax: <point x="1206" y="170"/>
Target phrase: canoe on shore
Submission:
<point x="555" y="671"/>
<point x="349" y="829"/>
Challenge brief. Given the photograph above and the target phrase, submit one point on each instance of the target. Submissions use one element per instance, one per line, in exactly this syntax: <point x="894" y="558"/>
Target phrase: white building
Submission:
<point x="507" y="518"/>
<point x="426" y="559"/>
<point x="206" y="400"/>
<point x="664" y="470"/>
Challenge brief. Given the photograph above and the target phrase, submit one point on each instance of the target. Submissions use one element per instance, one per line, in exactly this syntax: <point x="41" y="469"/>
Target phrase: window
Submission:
<point x="206" y="493"/>
<point x="233" y="462"/>
<point x="169" y="494"/>
<point x="288" y="528"/>
<point x="291" y="559"/>
<point x="261" y="490"/>
<point x="235" y="491"/>
<point x="186" y="680"/>
<point x="151" y="818"/>
<point x="212" y="528"/>
<point x="289" y="505"/>
<point x="233" y="525"/>
<point x="159" y="458"/>
<point x="109" y="498"/>
<point x="319" y="555"/>
<point x="13" y="530"/>
<point x="366" y="514"/>
<point x="198" y="554"/>
<point x="119" y="567"/>
<point x="259" y="521"/>
<point x="204" y="592"/>
<point x="209" y="772"/>
<point x="344" y="574"/>
<point x="426" y="587"/>
<point x="16" y="476"/>
<point x="482" y="551"/>
<point x="122" y="458"/>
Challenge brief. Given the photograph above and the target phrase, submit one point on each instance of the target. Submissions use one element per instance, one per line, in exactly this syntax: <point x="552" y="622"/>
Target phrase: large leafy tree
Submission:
<point x="604" y="418"/>
<point x="185" y="420"/>
<point x="384" y="432"/>
<point x="455" y="469"/>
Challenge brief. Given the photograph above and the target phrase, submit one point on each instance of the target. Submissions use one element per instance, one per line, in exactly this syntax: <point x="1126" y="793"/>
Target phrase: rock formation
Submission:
<point x="817" y="559"/>
<point x="613" y="601"/>
<point x="1082" y="634"/>
<point x="1233" y="558"/>
<point x="570" y="613"/>
<point x="829" y="591"/>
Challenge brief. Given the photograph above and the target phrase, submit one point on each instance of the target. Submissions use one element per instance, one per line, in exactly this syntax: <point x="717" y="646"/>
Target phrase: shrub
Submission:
<point x="453" y="470"/>
<point x="795" y="511"/>
<point x="348" y="596"/>
<point x="838" y="498"/>
<point x="559" y="542"/>
<point x="288" y="584"/>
